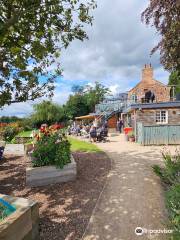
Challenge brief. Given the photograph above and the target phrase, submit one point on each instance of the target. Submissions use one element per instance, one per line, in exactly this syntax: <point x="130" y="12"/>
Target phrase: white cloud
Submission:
<point x="17" y="109"/>
<point x="118" y="46"/>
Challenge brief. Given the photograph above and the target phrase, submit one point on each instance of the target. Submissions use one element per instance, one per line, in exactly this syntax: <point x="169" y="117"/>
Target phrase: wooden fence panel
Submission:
<point x="174" y="134"/>
<point x="158" y="134"/>
<point x="139" y="133"/>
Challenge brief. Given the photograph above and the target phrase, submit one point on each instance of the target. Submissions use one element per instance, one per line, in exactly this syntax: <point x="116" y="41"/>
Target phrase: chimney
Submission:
<point x="147" y="73"/>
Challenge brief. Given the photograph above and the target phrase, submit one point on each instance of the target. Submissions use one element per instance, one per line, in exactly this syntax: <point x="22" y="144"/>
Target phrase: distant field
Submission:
<point x="82" y="146"/>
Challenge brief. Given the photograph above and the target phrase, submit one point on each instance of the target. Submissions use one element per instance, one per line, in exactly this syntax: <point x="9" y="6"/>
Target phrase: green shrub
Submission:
<point x="173" y="204"/>
<point x="27" y="124"/>
<point x="13" y="141"/>
<point x="170" y="176"/>
<point x="52" y="150"/>
<point x="9" y="133"/>
<point x="63" y="154"/>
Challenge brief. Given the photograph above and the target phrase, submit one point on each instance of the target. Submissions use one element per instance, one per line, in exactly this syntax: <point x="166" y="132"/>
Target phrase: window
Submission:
<point x="162" y="117"/>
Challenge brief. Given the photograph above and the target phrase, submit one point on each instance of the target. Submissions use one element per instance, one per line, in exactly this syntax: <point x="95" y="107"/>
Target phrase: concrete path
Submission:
<point x="132" y="196"/>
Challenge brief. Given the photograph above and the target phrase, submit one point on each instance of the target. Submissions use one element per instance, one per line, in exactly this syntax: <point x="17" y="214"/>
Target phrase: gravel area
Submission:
<point x="65" y="209"/>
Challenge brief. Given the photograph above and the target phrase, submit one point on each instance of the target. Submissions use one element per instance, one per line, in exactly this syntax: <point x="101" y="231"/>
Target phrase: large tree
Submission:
<point x="76" y="106"/>
<point x="32" y="35"/>
<point x="47" y="112"/>
<point x="84" y="99"/>
<point x="174" y="81"/>
<point x="95" y="94"/>
<point x="164" y="15"/>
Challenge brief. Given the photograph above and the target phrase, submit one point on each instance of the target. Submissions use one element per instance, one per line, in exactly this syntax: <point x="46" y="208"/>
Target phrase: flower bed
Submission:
<point x="49" y="159"/>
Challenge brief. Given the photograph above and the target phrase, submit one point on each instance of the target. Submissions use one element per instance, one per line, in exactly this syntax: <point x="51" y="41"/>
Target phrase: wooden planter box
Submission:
<point x="22" y="140"/>
<point x="27" y="148"/>
<point x="2" y="144"/>
<point x="40" y="176"/>
<point x="23" y="223"/>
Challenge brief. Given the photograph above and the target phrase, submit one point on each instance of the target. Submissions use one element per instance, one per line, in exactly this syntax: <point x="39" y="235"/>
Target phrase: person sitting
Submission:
<point x="102" y="134"/>
<point x="69" y="130"/>
<point x="99" y="134"/>
<point x="87" y="128"/>
<point x="105" y="124"/>
<point x="78" y="130"/>
<point x="93" y="134"/>
<point x="84" y="131"/>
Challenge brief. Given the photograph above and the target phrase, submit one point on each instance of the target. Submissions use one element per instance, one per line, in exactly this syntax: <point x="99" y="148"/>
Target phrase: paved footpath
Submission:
<point x="132" y="196"/>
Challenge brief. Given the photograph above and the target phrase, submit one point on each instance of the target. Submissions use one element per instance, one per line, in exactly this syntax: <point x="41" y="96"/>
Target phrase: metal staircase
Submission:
<point x="105" y="115"/>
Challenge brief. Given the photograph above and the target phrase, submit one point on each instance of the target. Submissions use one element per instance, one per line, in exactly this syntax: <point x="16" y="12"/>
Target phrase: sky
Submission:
<point x="118" y="47"/>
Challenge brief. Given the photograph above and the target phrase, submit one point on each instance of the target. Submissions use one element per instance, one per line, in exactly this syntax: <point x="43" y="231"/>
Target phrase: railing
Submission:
<point x="118" y="105"/>
<point x="109" y="106"/>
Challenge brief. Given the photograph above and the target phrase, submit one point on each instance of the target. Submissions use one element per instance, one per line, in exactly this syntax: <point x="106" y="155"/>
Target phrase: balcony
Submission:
<point x="116" y="105"/>
<point x="109" y="106"/>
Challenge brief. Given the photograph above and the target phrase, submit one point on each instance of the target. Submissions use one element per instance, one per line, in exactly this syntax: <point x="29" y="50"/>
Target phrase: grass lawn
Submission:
<point x="82" y="146"/>
<point x="24" y="134"/>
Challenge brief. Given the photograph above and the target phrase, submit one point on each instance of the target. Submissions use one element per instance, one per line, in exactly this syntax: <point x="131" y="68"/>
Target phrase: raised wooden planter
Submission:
<point x="22" y="140"/>
<point x="40" y="176"/>
<point x="28" y="148"/>
<point x="23" y="224"/>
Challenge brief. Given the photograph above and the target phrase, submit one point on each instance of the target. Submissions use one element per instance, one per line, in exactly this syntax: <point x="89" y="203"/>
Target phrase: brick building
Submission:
<point x="134" y="107"/>
<point x="153" y="114"/>
<point x="154" y="123"/>
<point x="148" y="83"/>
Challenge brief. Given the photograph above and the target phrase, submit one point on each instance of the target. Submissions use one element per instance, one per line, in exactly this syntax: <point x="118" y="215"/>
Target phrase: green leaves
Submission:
<point x="84" y="99"/>
<point x="52" y="150"/>
<point x="164" y="16"/>
<point x="47" y="112"/>
<point x="173" y="204"/>
<point x="174" y="79"/>
<point x="9" y="133"/>
<point x="36" y="31"/>
<point x="170" y="176"/>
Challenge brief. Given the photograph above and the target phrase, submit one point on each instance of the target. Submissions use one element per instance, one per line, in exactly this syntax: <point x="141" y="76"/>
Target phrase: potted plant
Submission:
<point x="131" y="136"/>
<point x="126" y="137"/>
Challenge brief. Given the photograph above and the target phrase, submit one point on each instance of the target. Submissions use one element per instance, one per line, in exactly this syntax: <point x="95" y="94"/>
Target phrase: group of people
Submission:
<point x="95" y="131"/>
